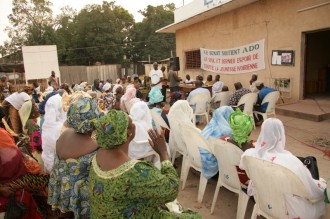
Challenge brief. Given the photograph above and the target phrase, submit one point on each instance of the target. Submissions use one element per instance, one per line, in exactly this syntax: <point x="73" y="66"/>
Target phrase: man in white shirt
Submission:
<point x="156" y="76"/>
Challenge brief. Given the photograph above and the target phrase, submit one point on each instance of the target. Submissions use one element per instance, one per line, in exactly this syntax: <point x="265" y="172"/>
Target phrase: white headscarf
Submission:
<point x="217" y="87"/>
<point x="139" y="146"/>
<point x="181" y="111"/>
<point x="51" y="129"/>
<point x="141" y="117"/>
<point x="271" y="147"/>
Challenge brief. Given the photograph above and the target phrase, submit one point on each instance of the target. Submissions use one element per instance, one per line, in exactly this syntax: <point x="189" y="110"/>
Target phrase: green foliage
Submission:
<point x="103" y="33"/>
<point x="149" y="43"/>
<point x="100" y="32"/>
<point x="31" y="22"/>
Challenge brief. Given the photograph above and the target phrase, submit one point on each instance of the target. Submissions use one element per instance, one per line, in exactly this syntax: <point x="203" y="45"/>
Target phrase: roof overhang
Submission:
<point x="221" y="9"/>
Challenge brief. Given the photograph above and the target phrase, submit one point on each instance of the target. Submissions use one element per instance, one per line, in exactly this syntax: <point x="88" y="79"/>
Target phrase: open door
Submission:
<point x="317" y="63"/>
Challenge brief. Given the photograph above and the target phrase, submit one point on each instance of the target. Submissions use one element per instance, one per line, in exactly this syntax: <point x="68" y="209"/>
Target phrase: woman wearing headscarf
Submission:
<point x="180" y="111"/>
<point x="54" y="119"/>
<point x="128" y="99"/>
<point x="120" y="187"/>
<point x="29" y="114"/>
<point x="270" y="146"/>
<point x="241" y="125"/>
<point x="155" y="103"/>
<point x="107" y="100"/>
<point x="217" y="127"/>
<point x="20" y="177"/>
<point x="12" y="104"/>
<point x="74" y="150"/>
<point x="142" y="119"/>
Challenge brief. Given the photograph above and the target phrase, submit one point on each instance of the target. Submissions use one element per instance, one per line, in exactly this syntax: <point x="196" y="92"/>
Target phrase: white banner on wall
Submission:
<point x="244" y="59"/>
<point x="39" y="61"/>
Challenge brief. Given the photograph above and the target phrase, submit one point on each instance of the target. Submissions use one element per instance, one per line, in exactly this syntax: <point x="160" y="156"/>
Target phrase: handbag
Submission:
<point x="15" y="209"/>
<point x="311" y="164"/>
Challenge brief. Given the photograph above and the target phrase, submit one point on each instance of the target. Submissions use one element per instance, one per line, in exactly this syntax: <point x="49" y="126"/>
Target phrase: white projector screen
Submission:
<point x="39" y="61"/>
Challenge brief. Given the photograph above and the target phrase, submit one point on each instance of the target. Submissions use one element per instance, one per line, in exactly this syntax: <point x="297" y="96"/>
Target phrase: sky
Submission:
<point x="132" y="6"/>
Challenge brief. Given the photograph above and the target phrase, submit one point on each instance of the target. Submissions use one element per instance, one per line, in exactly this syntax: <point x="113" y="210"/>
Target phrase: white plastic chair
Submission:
<point x="176" y="142"/>
<point x="249" y="100"/>
<point x="201" y="102"/>
<point x="271" y="98"/>
<point x="228" y="156"/>
<point x="193" y="140"/>
<point x="220" y="99"/>
<point x="272" y="182"/>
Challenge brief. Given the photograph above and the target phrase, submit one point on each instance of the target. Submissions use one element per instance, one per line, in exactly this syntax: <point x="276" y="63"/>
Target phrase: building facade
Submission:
<point x="295" y="36"/>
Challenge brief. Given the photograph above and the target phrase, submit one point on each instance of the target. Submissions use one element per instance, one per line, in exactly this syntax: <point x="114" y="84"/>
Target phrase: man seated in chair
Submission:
<point x="240" y="92"/>
<point x="198" y="90"/>
<point x="263" y="91"/>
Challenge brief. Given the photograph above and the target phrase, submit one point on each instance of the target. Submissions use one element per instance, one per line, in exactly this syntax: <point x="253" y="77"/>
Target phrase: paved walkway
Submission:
<point x="314" y="108"/>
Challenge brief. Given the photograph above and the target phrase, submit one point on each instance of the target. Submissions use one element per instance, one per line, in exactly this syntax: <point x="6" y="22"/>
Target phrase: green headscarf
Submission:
<point x="80" y="114"/>
<point x="241" y="125"/>
<point x="111" y="129"/>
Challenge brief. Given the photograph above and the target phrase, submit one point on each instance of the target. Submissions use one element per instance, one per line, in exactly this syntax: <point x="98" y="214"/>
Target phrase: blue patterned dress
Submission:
<point x="68" y="185"/>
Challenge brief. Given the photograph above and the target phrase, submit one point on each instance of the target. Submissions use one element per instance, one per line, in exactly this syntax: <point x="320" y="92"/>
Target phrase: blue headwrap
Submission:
<point x="218" y="126"/>
<point x="155" y="96"/>
<point x="43" y="103"/>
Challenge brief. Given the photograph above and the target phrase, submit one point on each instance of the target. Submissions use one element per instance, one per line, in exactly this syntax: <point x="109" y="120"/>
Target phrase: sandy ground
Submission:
<point x="299" y="137"/>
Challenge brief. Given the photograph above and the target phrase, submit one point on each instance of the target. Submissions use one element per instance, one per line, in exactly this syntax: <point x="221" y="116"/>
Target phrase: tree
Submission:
<point x="101" y="33"/>
<point x="149" y="43"/>
<point x="65" y="35"/>
<point x="31" y="22"/>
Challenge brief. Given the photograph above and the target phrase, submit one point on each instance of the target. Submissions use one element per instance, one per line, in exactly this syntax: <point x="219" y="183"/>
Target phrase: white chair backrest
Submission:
<point x="193" y="140"/>
<point x="176" y="135"/>
<point x="248" y="100"/>
<point x="228" y="156"/>
<point x="271" y="182"/>
<point x="271" y="98"/>
<point x="222" y="97"/>
<point x="200" y="101"/>
<point x="159" y="121"/>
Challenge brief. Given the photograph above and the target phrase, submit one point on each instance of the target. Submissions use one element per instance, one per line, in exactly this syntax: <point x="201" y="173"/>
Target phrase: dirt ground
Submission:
<point x="299" y="140"/>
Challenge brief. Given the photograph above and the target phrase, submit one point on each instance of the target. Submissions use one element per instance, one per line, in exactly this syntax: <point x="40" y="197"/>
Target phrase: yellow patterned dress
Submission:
<point x="136" y="189"/>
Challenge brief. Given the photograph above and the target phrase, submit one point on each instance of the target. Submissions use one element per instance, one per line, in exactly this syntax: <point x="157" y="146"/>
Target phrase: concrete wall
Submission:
<point x="278" y="22"/>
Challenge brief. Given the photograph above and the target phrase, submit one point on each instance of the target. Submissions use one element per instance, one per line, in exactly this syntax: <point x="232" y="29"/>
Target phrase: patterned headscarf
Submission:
<point x="107" y="101"/>
<point x="155" y="96"/>
<point x="242" y="125"/>
<point x="80" y="114"/>
<point x="111" y="129"/>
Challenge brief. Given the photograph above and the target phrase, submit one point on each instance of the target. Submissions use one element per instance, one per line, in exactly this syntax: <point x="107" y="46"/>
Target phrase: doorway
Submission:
<point x="317" y="63"/>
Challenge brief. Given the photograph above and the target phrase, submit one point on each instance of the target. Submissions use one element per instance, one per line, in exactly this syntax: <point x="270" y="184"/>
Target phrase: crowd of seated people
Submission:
<point x="65" y="132"/>
<point x="82" y="157"/>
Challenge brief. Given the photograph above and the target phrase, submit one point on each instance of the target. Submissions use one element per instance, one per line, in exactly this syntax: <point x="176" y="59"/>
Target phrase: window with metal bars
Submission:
<point x="193" y="59"/>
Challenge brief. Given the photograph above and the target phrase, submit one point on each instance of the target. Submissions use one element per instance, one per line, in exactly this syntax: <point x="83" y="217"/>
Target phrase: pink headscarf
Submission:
<point x="128" y="99"/>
